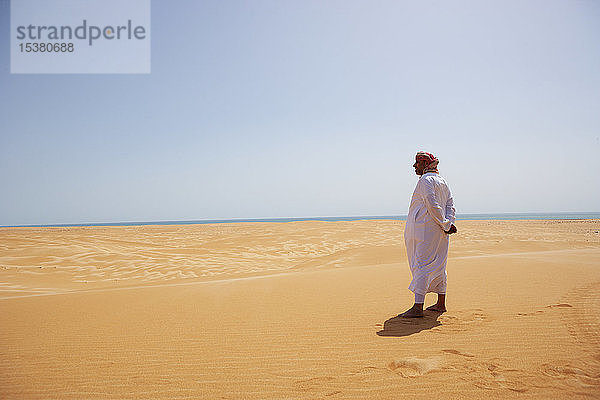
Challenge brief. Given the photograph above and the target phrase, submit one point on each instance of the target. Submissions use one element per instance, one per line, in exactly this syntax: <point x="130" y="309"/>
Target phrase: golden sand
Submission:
<point x="300" y="310"/>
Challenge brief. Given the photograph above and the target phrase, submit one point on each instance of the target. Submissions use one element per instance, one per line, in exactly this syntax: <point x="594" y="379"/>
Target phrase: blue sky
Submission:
<point x="306" y="108"/>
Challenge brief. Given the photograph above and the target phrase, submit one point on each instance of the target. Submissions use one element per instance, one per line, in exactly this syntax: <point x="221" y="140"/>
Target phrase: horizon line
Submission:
<point x="400" y="217"/>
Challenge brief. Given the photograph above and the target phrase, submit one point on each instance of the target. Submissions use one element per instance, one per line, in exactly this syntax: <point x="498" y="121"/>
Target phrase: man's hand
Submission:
<point x="451" y="230"/>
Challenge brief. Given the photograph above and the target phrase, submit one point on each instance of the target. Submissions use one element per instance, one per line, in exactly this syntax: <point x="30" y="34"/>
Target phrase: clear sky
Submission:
<point x="313" y="108"/>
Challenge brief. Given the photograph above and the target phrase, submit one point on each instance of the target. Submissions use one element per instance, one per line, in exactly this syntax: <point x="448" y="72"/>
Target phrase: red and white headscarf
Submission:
<point x="432" y="161"/>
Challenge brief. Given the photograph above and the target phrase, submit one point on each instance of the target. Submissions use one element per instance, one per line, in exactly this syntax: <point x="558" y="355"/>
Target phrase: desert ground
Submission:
<point x="298" y="310"/>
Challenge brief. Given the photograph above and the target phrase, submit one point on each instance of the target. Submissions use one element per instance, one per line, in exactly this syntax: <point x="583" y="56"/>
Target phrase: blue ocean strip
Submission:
<point x="499" y="216"/>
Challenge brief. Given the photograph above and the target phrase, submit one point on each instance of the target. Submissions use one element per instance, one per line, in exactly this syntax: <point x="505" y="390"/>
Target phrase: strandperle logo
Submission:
<point x="80" y="36"/>
<point x="85" y="31"/>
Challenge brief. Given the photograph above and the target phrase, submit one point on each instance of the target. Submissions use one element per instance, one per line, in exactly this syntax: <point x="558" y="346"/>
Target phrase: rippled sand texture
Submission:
<point x="297" y="310"/>
<point x="92" y="257"/>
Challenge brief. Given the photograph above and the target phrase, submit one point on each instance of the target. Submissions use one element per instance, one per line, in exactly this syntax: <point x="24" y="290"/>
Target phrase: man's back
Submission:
<point x="432" y="202"/>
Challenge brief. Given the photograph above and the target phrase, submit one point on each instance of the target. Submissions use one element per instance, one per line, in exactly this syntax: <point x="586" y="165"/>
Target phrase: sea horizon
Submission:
<point x="462" y="216"/>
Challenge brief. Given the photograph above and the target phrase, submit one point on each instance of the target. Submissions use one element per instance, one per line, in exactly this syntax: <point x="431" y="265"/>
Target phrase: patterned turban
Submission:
<point x="432" y="161"/>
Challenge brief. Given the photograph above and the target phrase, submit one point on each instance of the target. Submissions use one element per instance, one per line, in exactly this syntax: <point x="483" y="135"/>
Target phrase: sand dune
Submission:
<point x="298" y="310"/>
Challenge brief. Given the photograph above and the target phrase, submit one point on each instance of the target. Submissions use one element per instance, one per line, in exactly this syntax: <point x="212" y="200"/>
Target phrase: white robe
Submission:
<point x="431" y="213"/>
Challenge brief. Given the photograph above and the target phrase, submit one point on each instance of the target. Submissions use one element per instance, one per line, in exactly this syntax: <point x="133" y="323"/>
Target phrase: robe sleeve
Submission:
<point x="432" y="202"/>
<point x="450" y="210"/>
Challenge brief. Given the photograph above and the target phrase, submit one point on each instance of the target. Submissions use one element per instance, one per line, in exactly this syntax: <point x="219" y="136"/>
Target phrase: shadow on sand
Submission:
<point x="398" y="326"/>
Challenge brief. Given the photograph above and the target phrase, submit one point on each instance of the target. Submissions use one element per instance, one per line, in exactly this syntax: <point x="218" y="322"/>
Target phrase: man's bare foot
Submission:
<point x="437" y="308"/>
<point x="415" y="311"/>
<point x="440" y="305"/>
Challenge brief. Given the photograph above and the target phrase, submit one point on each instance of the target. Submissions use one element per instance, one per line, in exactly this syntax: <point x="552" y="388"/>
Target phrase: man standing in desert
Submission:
<point x="429" y="224"/>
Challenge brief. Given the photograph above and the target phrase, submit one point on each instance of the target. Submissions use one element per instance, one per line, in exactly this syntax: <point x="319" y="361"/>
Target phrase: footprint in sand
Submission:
<point x="529" y="313"/>
<point x="367" y="375"/>
<point x="458" y="321"/>
<point x="313" y="383"/>
<point x="559" y="305"/>
<point x="573" y="373"/>
<point x="412" y="366"/>
<point x="498" y="381"/>
<point x="488" y="374"/>
<point x="458" y="353"/>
